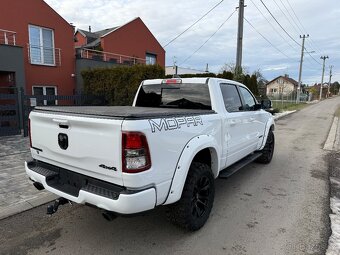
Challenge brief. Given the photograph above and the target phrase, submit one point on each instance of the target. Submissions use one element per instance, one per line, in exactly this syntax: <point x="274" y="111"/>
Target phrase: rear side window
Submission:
<point x="182" y="96"/>
<point x="231" y="98"/>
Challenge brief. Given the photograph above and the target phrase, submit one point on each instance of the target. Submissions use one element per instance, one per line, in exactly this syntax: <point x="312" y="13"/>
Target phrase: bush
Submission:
<point x="119" y="84"/>
<point x="192" y="75"/>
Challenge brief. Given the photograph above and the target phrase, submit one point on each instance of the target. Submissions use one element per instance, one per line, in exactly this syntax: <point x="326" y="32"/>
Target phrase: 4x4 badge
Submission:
<point x="108" y="167"/>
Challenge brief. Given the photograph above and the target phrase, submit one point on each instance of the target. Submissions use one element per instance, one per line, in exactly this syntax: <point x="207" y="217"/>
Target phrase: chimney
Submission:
<point x="90" y="29"/>
<point x="286" y="75"/>
<point x="207" y="69"/>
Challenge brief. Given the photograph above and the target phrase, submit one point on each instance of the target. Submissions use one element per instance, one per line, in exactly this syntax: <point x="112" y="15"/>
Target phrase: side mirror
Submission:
<point x="266" y="104"/>
<point x="257" y="107"/>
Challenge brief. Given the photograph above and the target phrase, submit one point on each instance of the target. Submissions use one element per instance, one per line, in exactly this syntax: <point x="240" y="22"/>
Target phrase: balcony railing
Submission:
<point x="40" y="55"/>
<point x="109" y="57"/>
<point x="7" y="37"/>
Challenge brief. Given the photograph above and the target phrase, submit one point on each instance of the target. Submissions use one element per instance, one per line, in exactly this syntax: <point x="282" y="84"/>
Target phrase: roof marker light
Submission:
<point x="172" y="81"/>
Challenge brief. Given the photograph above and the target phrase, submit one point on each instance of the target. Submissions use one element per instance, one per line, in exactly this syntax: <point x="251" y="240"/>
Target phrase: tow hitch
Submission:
<point x="51" y="209"/>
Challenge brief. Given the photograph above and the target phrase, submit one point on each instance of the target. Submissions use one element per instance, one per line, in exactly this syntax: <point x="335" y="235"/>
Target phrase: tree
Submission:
<point x="253" y="85"/>
<point x="260" y="78"/>
<point x="226" y="75"/>
<point x="334" y="89"/>
<point x="231" y="67"/>
<point x="251" y="81"/>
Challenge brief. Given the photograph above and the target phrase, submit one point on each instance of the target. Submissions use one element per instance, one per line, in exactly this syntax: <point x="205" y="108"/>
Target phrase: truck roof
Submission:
<point x="199" y="80"/>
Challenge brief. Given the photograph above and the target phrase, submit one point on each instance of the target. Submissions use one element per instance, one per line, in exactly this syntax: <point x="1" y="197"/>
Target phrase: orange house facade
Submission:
<point x="45" y="42"/>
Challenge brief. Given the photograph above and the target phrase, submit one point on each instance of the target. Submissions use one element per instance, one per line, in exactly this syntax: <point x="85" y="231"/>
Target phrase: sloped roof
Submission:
<point x="106" y="31"/>
<point x="93" y="38"/>
<point x="291" y="80"/>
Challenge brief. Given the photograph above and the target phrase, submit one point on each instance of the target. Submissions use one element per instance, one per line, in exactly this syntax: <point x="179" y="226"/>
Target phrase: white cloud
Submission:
<point x="275" y="68"/>
<point x="167" y="18"/>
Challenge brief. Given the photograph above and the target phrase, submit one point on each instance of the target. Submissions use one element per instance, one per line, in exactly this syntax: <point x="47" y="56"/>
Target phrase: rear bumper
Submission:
<point x="89" y="190"/>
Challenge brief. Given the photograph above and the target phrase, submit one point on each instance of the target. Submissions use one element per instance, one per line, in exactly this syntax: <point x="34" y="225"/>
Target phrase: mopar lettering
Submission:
<point x="174" y="123"/>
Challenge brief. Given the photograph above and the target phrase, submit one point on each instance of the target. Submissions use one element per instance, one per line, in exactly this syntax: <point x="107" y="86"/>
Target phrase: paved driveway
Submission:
<point x="16" y="192"/>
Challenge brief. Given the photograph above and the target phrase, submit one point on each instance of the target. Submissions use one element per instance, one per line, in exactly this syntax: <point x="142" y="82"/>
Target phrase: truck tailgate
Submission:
<point x="89" y="146"/>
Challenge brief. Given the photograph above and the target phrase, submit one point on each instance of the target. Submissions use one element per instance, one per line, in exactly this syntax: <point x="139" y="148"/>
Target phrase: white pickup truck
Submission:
<point x="166" y="149"/>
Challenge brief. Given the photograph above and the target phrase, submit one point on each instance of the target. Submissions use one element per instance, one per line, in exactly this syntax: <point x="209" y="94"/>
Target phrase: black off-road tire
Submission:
<point x="193" y="209"/>
<point x="268" y="150"/>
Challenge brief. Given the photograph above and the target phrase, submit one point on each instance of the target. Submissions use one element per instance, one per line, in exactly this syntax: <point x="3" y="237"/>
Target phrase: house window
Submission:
<point x="150" y="59"/>
<point x="280" y="81"/>
<point x="41" y="45"/>
<point x="45" y="91"/>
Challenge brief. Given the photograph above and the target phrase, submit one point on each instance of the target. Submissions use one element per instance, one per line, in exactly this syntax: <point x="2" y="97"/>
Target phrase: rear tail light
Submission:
<point x="29" y="132"/>
<point x="135" y="152"/>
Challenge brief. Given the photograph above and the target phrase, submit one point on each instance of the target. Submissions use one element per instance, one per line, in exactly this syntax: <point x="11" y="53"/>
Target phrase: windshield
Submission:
<point x="183" y="96"/>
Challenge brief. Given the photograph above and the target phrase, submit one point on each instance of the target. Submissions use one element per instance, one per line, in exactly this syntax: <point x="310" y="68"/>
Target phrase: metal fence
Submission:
<point x="109" y="57"/>
<point x="29" y="102"/>
<point x="15" y="107"/>
<point x="279" y="100"/>
<point x="7" y="37"/>
<point x="43" y="55"/>
<point x="9" y="111"/>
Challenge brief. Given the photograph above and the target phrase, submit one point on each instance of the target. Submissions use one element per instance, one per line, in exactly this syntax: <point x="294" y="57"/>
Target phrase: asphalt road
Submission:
<point x="280" y="208"/>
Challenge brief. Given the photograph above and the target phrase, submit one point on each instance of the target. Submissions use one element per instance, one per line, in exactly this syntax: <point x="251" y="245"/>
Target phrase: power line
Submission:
<point x="272" y="25"/>
<point x="286" y="16"/>
<point x="295" y="28"/>
<point x="285" y="30"/>
<point x="193" y="23"/>
<point x="296" y="15"/>
<point x="209" y="37"/>
<point x="267" y="40"/>
<point x="312" y="57"/>
<point x="279" y="23"/>
<point x="310" y="41"/>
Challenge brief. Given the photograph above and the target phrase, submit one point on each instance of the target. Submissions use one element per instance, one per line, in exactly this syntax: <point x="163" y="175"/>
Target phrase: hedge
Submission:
<point x="119" y="84"/>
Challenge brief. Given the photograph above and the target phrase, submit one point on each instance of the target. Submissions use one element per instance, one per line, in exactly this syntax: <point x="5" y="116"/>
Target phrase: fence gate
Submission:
<point x="9" y="111"/>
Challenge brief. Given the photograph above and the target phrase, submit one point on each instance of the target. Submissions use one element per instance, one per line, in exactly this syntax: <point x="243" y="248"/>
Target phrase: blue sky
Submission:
<point x="166" y="19"/>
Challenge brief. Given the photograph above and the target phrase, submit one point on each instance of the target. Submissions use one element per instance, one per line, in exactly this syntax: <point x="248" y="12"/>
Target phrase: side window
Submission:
<point x="249" y="101"/>
<point x="231" y="98"/>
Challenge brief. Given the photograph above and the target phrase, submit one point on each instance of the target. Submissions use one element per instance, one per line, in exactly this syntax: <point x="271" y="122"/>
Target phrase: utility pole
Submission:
<point x="300" y="71"/>
<point x="239" y="37"/>
<point x="175" y="67"/>
<point x="323" y="73"/>
<point x="330" y="78"/>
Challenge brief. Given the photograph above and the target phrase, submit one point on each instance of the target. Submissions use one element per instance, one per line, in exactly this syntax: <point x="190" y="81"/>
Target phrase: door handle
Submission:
<point x="252" y="119"/>
<point x="59" y="121"/>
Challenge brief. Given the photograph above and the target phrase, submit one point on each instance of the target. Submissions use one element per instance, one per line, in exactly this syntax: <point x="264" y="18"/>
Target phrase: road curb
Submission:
<point x="331" y="142"/>
<point x="26" y="205"/>
<point x="283" y="114"/>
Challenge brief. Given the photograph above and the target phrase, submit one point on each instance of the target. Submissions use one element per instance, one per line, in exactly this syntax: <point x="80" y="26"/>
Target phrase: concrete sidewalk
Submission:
<point x="17" y="193"/>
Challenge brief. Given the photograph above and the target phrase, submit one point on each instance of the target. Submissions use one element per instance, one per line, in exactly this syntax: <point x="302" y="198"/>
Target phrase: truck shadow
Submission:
<point x="79" y="229"/>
